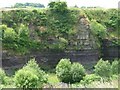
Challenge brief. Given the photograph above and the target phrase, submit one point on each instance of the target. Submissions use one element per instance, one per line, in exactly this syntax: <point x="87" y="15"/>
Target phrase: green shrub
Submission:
<point x="114" y="67"/>
<point x="2" y="28"/>
<point x="58" y="6"/>
<point x="98" y="29"/>
<point x="99" y="32"/>
<point x="103" y="69"/>
<point x="115" y="77"/>
<point x="59" y="45"/>
<point x="88" y="79"/>
<point x="32" y="64"/>
<point x="41" y="74"/>
<point x="26" y="79"/>
<point x="30" y="76"/>
<point x="2" y="76"/>
<point x="69" y="73"/>
<point x="77" y="71"/>
<point x="8" y="81"/>
<point x="10" y="34"/>
<point x="63" y="70"/>
<point x="63" y="43"/>
<point x="4" y="79"/>
<point x="23" y="31"/>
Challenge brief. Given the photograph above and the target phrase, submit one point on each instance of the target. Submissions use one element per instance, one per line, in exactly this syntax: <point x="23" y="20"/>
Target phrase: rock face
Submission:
<point x="85" y="40"/>
<point x="49" y="59"/>
<point x="109" y="50"/>
<point x="85" y="53"/>
<point x="33" y="35"/>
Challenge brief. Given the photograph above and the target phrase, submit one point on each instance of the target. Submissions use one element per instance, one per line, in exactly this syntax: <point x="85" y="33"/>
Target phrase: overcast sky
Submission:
<point x="87" y="3"/>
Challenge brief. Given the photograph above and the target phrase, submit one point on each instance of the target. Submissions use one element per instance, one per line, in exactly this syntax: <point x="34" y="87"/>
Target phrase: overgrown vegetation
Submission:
<point x="54" y="28"/>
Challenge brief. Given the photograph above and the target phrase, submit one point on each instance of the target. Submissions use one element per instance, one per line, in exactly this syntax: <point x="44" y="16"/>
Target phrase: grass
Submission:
<point x="54" y="81"/>
<point x="97" y="84"/>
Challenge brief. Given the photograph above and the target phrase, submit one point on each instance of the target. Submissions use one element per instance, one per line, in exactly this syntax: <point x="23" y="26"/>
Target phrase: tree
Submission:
<point x="21" y="5"/>
<point x="58" y="6"/>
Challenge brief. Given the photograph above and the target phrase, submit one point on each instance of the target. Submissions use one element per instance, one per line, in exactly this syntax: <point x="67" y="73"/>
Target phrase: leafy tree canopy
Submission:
<point x="21" y="5"/>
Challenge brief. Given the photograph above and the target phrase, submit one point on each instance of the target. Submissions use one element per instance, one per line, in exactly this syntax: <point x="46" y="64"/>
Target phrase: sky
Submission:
<point x="79" y="3"/>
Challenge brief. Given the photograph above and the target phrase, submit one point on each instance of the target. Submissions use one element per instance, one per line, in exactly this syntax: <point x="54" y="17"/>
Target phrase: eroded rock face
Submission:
<point x="48" y="60"/>
<point x="33" y="34"/>
<point x="85" y="54"/>
<point x="84" y="37"/>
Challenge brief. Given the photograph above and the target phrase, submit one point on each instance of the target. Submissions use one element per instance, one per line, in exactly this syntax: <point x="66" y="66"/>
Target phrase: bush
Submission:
<point x="98" y="29"/>
<point x="41" y="74"/>
<point x="26" y="79"/>
<point x="103" y="69"/>
<point x="9" y="34"/>
<point x="69" y="73"/>
<point x="2" y="28"/>
<point x="58" y="6"/>
<point x="30" y="76"/>
<point x="77" y="71"/>
<point x="114" y="67"/>
<point x="8" y="80"/>
<point x="2" y="76"/>
<point x="23" y="31"/>
<point x="115" y="77"/>
<point x="63" y="70"/>
<point x="88" y="79"/>
<point x="60" y="45"/>
<point x="4" y="79"/>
